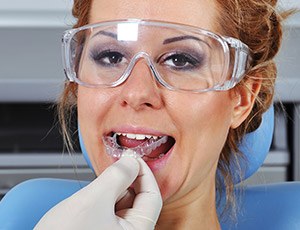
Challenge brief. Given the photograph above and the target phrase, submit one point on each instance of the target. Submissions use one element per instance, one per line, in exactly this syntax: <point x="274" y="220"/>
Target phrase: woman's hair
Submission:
<point x="256" y="23"/>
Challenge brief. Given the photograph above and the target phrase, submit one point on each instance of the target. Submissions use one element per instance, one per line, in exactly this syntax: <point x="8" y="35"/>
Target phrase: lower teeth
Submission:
<point x="153" y="159"/>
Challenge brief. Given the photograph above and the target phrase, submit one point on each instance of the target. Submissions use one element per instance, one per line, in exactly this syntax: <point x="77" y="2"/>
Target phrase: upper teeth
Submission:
<point x="138" y="136"/>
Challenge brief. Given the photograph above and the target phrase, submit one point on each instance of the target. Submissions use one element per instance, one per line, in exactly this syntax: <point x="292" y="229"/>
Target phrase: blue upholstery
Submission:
<point x="260" y="207"/>
<point x="256" y="145"/>
<point x="24" y="205"/>
<point x="268" y="207"/>
<point x="263" y="207"/>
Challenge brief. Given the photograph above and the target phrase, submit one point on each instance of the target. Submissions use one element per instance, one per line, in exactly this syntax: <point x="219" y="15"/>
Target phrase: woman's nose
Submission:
<point x="140" y="90"/>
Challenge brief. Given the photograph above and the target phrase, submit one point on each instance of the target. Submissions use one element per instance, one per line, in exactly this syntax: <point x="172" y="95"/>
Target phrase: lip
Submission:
<point x="160" y="163"/>
<point x="136" y="130"/>
<point x="154" y="165"/>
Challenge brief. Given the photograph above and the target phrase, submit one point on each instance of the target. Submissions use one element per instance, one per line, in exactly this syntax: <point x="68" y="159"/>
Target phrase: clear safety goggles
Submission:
<point x="179" y="57"/>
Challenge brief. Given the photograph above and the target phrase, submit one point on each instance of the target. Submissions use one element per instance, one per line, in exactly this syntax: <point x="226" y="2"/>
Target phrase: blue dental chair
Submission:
<point x="274" y="206"/>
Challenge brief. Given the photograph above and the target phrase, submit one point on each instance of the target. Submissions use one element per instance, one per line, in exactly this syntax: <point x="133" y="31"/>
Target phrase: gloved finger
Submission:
<point x="126" y="200"/>
<point x="114" y="181"/>
<point x="147" y="204"/>
<point x="146" y="184"/>
<point x="94" y="204"/>
<point x="148" y="198"/>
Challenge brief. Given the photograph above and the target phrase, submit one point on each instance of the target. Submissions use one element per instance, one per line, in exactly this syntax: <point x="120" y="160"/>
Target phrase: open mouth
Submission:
<point x="149" y="147"/>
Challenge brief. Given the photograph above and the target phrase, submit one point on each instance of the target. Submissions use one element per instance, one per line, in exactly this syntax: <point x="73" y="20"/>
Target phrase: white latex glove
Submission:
<point x="94" y="206"/>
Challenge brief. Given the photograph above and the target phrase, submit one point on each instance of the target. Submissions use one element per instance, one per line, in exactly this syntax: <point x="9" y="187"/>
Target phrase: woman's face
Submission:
<point x="198" y="123"/>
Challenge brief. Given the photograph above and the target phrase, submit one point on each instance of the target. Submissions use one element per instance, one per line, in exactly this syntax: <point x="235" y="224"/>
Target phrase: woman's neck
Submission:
<point x="192" y="211"/>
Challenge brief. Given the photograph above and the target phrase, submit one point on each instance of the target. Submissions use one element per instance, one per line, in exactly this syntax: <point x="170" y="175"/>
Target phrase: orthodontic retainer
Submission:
<point x="115" y="150"/>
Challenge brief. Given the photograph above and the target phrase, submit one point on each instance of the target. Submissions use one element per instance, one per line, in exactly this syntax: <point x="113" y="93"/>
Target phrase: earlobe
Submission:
<point x="244" y="98"/>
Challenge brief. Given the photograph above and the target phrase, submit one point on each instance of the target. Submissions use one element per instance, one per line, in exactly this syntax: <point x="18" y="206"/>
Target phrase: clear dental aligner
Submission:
<point x="115" y="150"/>
<point x="130" y="153"/>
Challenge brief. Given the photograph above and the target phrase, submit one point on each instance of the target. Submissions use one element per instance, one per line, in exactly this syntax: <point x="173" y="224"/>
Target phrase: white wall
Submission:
<point x="35" y="13"/>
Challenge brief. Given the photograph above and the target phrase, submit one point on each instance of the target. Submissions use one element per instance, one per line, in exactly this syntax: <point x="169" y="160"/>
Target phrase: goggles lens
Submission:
<point x="180" y="57"/>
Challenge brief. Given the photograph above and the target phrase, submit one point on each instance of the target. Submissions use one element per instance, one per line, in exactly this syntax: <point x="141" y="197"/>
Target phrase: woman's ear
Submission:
<point x="244" y="98"/>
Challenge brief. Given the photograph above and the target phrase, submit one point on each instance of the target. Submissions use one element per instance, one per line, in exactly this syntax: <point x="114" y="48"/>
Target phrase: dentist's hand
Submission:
<point x="94" y="206"/>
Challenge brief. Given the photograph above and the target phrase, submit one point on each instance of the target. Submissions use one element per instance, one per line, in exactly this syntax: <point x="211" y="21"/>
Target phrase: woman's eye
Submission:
<point x="108" y="58"/>
<point x="181" y="61"/>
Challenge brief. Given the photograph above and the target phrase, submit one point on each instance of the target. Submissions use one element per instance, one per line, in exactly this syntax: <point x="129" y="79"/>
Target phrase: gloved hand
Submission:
<point x="94" y="206"/>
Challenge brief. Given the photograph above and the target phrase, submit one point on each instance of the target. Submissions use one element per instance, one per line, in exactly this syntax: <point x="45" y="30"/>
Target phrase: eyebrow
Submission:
<point x="106" y="33"/>
<point x="166" y="41"/>
<point x="180" y="38"/>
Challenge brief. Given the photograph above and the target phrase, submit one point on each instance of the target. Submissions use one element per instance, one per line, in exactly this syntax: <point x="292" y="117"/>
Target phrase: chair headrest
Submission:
<point x="254" y="146"/>
<point x="83" y="150"/>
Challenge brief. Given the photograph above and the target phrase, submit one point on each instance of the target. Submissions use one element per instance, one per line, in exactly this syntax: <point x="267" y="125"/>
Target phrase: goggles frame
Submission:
<point x="241" y="61"/>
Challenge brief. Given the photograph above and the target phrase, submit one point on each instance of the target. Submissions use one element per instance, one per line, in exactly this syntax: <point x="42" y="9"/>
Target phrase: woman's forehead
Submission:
<point x="200" y="13"/>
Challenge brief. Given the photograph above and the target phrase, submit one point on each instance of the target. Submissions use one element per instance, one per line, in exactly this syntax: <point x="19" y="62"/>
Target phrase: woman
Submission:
<point x="168" y="79"/>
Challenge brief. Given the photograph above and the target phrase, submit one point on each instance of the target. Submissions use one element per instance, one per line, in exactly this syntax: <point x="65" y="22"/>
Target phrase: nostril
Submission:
<point x="140" y="97"/>
<point x="148" y="104"/>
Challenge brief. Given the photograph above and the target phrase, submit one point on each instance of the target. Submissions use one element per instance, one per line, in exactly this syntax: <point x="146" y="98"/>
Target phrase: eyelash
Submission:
<point x="191" y="62"/>
<point x="97" y="56"/>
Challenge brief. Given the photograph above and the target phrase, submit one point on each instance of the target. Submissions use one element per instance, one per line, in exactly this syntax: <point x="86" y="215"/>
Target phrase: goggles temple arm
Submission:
<point x="242" y="59"/>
